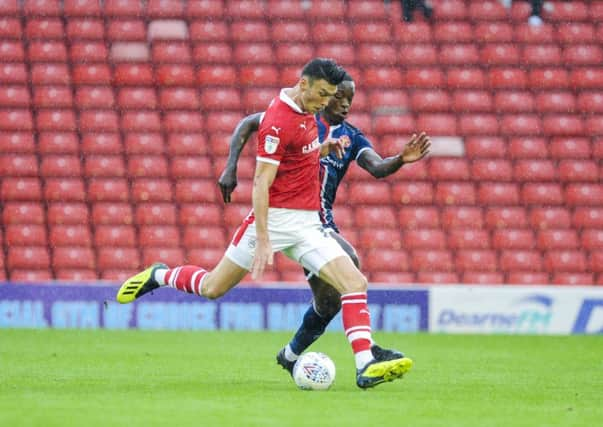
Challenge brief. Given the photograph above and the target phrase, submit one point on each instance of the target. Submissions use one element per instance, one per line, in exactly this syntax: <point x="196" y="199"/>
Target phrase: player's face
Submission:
<point x="316" y="94"/>
<point x="339" y="106"/>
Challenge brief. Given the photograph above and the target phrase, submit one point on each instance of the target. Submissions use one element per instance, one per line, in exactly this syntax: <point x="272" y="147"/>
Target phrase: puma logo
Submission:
<point x="303" y="126"/>
<point x="276" y="130"/>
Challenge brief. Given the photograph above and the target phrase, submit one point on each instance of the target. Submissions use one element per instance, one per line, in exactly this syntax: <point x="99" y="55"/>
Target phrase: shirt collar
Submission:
<point x="287" y="100"/>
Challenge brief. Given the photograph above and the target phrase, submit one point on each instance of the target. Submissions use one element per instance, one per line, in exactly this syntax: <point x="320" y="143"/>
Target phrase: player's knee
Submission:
<point x="210" y="291"/>
<point x="358" y="284"/>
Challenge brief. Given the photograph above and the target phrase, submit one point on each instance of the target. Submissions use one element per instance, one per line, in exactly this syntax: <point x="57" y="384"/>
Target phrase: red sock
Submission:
<point x="186" y="278"/>
<point x="356" y="321"/>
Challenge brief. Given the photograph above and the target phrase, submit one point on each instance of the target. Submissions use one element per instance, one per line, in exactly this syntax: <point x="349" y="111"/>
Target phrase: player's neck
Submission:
<point x="295" y="94"/>
<point x="332" y="121"/>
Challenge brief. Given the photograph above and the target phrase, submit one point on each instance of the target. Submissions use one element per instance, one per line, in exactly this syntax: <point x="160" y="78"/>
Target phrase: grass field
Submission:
<point x="132" y="378"/>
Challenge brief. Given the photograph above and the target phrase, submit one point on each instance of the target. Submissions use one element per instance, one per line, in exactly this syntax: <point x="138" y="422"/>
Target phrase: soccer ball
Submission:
<point x="314" y="371"/>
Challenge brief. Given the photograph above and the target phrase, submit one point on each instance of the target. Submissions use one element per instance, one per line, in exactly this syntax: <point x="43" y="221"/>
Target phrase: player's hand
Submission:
<point x="336" y="146"/>
<point x="416" y="148"/>
<point x="263" y="255"/>
<point x="227" y="183"/>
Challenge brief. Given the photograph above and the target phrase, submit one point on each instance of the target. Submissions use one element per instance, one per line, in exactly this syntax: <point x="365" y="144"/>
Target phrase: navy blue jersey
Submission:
<point x="332" y="169"/>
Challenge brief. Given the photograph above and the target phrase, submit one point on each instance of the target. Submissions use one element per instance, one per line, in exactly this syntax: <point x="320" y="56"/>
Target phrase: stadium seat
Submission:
<point x="453" y="32"/>
<point x="527" y="278"/>
<point x="557" y="239"/>
<point x="194" y="214"/>
<point x="69" y="235"/>
<point x="98" y="121"/>
<point x="573" y="261"/>
<point x="25" y="235"/>
<point x="64" y="190"/>
<point x="20" y="189"/>
<point x="81" y="8"/>
<point x="431" y="260"/>
<point x="435" y="124"/>
<point x="159" y="236"/>
<point x="97" y="97"/>
<point x="95" y="74"/>
<point x="144" y="143"/>
<point x="85" y="28"/>
<point x="377" y="237"/>
<point x="491" y="170"/>
<point x="555" y="102"/>
<point x="504" y="239"/>
<point x="573" y="279"/>
<point x="490" y="10"/>
<point x="471" y="101"/>
<point x="112" y="213"/>
<point x="137" y="98"/>
<point x="454" y="193"/>
<point x="549" y="78"/>
<point x="141" y="121"/>
<point x="132" y="74"/>
<point x="392" y="277"/>
<point x="505" y="217"/>
<point x="562" y="125"/>
<point x="19" y="165"/>
<point x="386" y="260"/>
<point x="16" y="120"/>
<point x="108" y="190"/>
<point x="418" y="217"/>
<point x="570" y="148"/>
<point x="469" y="238"/>
<point x="493" y="32"/>
<point x="67" y="213"/>
<point x="590" y="102"/>
<point x="512" y="260"/>
<point x="487" y="147"/>
<point x="448" y="169"/>
<point x="430" y="100"/>
<point x="476" y="260"/>
<point x="196" y="191"/>
<point x="521" y="124"/>
<point x="534" y="147"/>
<point x="423" y="239"/>
<point x="126" y="30"/>
<point x="544" y="218"/>
<point x="578" y="170"/>
<point x="462" y="217"/>
<point x="27" y="257"/>
<point x="73" y="257"/>
<point x="534" y="170"/>
<point x="437" y="277"/>
<point x="115" y="236"/>
<point x="179" y="144"/>
<point x="151" y="190"/>
<point x="412" y="193"/>
<point x="155" y="214"/>
<point x="542" y="194"/>
<point x="465" y="78"/>
<point x="289" y="31"/>
<point x="18" y="142"/>
<point x="541" y="56"/>
<point x="190" y="167"/>
<point x="483" y="278"/>
<point x="147" y="166"/>
<point x="418" y="55"/>
<point x="109" y="166"/>
<point x="381" y="77"/>
<point x="101" y="143"/>
<point x="514" y="101"/>
<point x="118" y="258"/>
<point x="367" y="216"/>
<point x="158" y="9"/>
<point x="584" y="194"/>
<point x="206" y="236"/>
<point x="586" y="217"/>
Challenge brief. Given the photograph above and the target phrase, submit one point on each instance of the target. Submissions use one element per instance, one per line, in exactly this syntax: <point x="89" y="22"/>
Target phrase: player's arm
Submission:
<point x="414" y="150"/>
<point x="240" y="136"/>
<point x="265" y="173"/>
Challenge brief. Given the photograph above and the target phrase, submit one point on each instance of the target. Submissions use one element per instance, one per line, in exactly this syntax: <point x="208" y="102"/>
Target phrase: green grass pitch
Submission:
<point x="134" y="378"/>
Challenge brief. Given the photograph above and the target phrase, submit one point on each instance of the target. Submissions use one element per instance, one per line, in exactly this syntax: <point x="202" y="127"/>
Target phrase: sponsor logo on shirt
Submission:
<point x="311" y="146"/>
<point x="271" y="144"/>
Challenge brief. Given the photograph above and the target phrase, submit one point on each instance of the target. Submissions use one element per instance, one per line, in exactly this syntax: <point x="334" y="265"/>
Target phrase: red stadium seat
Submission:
<point x="513" y="101"/>
<point x="132" y="74"/>
<point x="20" y="189"/>
<point x="448" y="169"/>
<point x="368" y="216"/>
<point x="18" y="142"/>
<point x="419" y="217"/>
<point x="207" y="236"/>
<point x="165" y="9"/>
<point x="385" y="124"/>
<point x="196" y="191"/>
<point x="483" y="278"/>
<point x="13" y="73"/>
<point x="489" y="10"/>
<point x="73" y="257"/>
<point x="47" y="51"/>
<point x="563" y="124"/>
<point x="586" y="78"/>
<point x="190" y="167"/>
<point x="250" y="31"/>
<point x="151" y="190"/>
<point x="41" y="7"/>
<point x="23" y="213"/>
<point x="332" y="32"/>
<point x="115" y="236"/>
<point x="453" y="32"/>
<point x="94" y="97"/>
<point x="112" y="213"/>
<point x="64" y="190"/>
<point x="493" y="32"/>
<point x="289" y="31"/>
<point x="549" y="78"/>
<point x="137" y="97"/>
<point x="485" y="147"/>
<point x="541" y="55"/>
<point x="592" y="239"/>
<point x="82" y="7"/>
<point x="465" y="78"/>
<point x="462" y="217"/>
<point x="424" y="239"/>
<point x="584" y="194"/>
<point x="504" y="239"/>
<point x="508" y="78"/>
<point x="386" y="238"/>
<point x="101" y="143"/>
<point x="386" y="260"/>
<point x="372" y="193"/>
<point x="573" y="279"/>
<point x="155" y="214"/>
<point x="141" y="121"/>
<point x="418" y="55"/>
<point x="455" y="193"/>
<point x="434" y="260"/>
<point x="382" y="77"/>
<point x="506" y="217"/>
<point x="491" y="170"/>
<point x="25" y="235"/>
<point x="585" y="217"/>
<point x="85" y="28"/>
<point x="470" y="238"/>
<point x="437" y="277"/>
<point x="16" y="120"/>
<point x="542" y="194"/>
<point x="543" y="218"/>
<point x="170" y="256"/>
<point x="144" y="143"/>
<point x="221" y="122"/>
<point x="371" y="32"/>
<point x="70" y="235"/>
<point x="528" y="148"/>
<point x="412" y="193"/>
<point x="108" y="190"/>
<point x="96" y="74"/>
<point x="171" y="52"/>
<point x="377" y="53"/>
<point x="159" y="236"/>
<point x="252" y="53"/>
<point x="557" y="101"/>
<point x="293" y="53"/>
<point x="179" y="144"/>
<point x="98" y="121"/>
<point x="122" y="8"/>
<point x="478" y="124"/>
<point x="27" y="257"/>
<point x="578" y="170"/>
<point x="476" y="260"/>
<point x="182" y="121"/>
<point x="527" y="278"/>
<point x="472" y="100"/>
<point x="126" y="30"/>
<point x="46" y="27"/>
<point x="590" y="102"/>
<point x="565" y="261"/>
<point x="219" y="75"/>
<point x="392" y="277"/>
<point x="535" y="170"/>
<point x="570" y="148"/>
<point x="117" y="258"/>
<point x="430" y="100"/>
<point x="493" y="54"/>
<point x="19" y="165"/>
<point x="209" y="31"/>
<point x="56" y="120"/>
<point x="557" y="239"/>
<point x="142" y="166"/>
<point x="583" y="55"/>
<point x="175" y="75"/>
<point x="67" y="213"/>
<point x="520" y="260"/>
<point x="104" y="166"/>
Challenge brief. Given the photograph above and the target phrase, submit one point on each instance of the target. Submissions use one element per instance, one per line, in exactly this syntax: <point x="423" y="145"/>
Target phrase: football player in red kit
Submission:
<point x="285" y="219"/>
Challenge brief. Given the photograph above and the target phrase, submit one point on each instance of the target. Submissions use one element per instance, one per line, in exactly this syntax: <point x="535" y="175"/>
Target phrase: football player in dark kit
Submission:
<point x="331" y="124"/>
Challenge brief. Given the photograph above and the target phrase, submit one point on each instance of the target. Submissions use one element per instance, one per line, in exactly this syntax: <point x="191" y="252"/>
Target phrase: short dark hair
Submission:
<point x="347" y="77"/>
<point x="324" y="68"/>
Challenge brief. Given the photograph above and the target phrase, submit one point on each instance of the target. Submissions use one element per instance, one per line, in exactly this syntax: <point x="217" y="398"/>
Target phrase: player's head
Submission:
<point x="339" y="106"/>
<point x="318" y="83"/>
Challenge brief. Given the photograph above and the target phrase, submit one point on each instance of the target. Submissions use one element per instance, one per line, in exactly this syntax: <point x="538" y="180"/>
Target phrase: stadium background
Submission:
<point x="115" y="117"/>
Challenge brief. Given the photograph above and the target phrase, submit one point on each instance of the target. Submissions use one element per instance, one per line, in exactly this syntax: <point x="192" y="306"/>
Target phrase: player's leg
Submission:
<point x="374" y="365"/>
<point x="325" y="305"/>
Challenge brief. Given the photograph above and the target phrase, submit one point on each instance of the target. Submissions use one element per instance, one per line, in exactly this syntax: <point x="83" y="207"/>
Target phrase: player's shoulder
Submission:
<point x="352" y="131"/>
<point x="280" y="112"/>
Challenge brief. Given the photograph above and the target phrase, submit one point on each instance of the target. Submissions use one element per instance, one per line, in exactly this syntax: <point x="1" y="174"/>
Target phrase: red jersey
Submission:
<point x="288" y="137"/>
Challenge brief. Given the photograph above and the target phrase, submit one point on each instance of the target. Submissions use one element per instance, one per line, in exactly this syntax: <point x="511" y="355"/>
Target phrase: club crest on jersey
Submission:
<point x="271" y="144"/>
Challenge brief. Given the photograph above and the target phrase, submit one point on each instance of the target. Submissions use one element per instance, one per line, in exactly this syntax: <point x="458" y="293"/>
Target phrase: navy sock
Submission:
<point x="312" y="327"/>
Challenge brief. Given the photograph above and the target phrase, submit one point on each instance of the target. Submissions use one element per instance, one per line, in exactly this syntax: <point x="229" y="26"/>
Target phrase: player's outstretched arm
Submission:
<point x="415" y="149"/>
<point x="240" y="136"/>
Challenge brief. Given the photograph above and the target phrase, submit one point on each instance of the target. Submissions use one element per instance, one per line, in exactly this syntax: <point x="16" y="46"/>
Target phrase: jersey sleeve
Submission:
<point x="360" y="143"/>
<point x="272" y="140"/>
